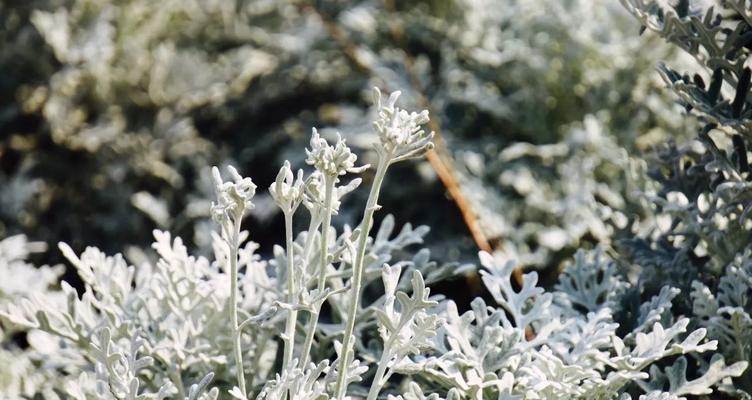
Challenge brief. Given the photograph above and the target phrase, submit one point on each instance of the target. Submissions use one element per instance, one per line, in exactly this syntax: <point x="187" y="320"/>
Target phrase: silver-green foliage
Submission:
<point x="701" y="189"/>
<point x="172" y="329"/>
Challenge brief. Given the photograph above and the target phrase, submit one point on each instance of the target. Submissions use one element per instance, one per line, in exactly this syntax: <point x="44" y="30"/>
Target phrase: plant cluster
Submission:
<point x="656" y="303"/>
<point x="700" y="189"/>
<point x="341" y="313"/>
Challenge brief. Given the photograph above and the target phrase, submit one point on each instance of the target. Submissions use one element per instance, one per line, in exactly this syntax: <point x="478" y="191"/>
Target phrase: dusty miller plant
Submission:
<point x="156" y="332"/>
<point x="300" y="326"/>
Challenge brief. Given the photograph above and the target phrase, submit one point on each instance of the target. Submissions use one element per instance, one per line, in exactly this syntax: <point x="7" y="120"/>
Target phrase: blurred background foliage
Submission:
<point x="112" y="111"/>
<point x="555" y="129"/>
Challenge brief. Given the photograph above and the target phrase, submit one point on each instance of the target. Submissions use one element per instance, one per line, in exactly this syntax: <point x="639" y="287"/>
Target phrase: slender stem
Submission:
<point x="314" y="315"/>
<point x="310" y="332"/>
<point x="329" y="182"/>
<point x="177" y="380"/>
<point x="234" y="244"/>
<point x="365" y="228"/>
<point x="386" y="354"/>
<point x="313" y="226"/>
<point x="292" y="315"/>
<point x="377" y="383"/>
<point x="260" y="343"/>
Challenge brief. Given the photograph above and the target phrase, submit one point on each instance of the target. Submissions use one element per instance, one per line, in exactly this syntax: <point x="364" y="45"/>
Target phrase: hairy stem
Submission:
<point x="234" y="244"/>
<point x="314" y="316"/>
<point x="329" y="182"/>
<point x="313" y="226"/>
<point x="365" y="228"/>
<point x="386" y="354"/>
<point x="292" y="315"/>
<point x="177" y="380"/>
<point x="310" y="332"/>
<point x="378" y="383"/>
<point x="258" y="352"/>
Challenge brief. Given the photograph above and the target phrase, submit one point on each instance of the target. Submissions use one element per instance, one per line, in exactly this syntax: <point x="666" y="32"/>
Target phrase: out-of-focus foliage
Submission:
<point x="139" y="96"/>
<point x="575" y="96"/>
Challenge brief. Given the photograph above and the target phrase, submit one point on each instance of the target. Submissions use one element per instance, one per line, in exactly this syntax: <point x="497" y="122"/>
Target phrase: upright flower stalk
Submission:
<point x="233" y="200"/>
<point x="331" y="161"/>
<point x="314" y="312"/>
<point x="237" y="347"/>
<point x="400" y="138"/>
<point x="357" y="278"/>
<point x="287" y="192"/>
<point x="328" y="190"/>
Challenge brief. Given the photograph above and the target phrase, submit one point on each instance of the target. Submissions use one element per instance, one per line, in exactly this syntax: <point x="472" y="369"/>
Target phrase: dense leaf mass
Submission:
<point x="611" y="199"/>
